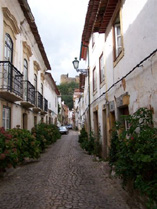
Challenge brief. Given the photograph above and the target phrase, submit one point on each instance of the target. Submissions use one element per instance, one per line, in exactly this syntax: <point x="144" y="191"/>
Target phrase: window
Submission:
<point x="117" y="35"/>
<point x="42" y="119"/>
<point x="8" y="50"/>
<point x="101" y="68"/>
<point x="35" y="120"/>
<point x="50" y="120"/>
<point x="47" y="120"/>
<point x="42" y="89"/>
<point x="94" y="80"/>
<point x="35" y="85"/>
<point x="8" y="55"/>
<point x="6" y="117"/>
<point x="124" y="111"/>
<point x="25" y="78"/>
<point x="25" y="70"/>
<point x="35" y="82"/>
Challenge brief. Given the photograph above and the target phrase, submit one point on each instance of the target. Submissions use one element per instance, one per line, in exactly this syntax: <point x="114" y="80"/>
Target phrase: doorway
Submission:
<point x="96" y="124"/>
<point x="104" y="143"/>
<point x="24" y="121"/>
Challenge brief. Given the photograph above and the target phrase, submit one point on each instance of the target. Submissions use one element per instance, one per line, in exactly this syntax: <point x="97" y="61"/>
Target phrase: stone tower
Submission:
<point x="66" y="79"/>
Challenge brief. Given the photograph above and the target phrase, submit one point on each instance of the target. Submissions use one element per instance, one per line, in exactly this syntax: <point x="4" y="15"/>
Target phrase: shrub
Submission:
<point x="45" y="134"/>
<point x="8" y="150"/>
<point x="83" y="135"/>
<point x="18" y="144"/>
<point x="25" y="143"/>
<point x="134" y="153"/>
<point x="90" y="144"/>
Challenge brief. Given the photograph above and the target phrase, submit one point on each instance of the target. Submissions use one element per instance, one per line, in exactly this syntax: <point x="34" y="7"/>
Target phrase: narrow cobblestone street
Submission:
<point x="64" y="177"/>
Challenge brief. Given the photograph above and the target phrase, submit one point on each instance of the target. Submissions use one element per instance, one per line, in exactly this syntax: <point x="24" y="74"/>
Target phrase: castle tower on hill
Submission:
<point x="66" y="79"/>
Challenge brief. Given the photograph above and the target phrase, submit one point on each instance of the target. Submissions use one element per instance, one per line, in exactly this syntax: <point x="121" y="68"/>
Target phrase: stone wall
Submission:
<point x="66" y="79"/>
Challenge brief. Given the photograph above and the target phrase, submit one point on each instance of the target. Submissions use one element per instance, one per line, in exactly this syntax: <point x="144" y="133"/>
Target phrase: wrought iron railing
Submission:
<point x="10" y="78"/>
<point x="28" y="92"/>
<point x="39" y="100"/>
<point x="45" y="105"/>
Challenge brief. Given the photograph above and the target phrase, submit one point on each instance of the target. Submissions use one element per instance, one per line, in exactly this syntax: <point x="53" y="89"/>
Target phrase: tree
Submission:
<point x="67" y="90"/>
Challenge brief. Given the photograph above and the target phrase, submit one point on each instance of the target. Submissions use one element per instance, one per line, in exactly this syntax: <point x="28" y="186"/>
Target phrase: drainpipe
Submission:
<point x="89" y="115"/>
<point x="89" y="93"/>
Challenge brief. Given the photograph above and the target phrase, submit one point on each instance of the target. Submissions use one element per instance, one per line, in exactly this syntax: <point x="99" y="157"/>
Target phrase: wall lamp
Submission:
<point x="76" y="65"/>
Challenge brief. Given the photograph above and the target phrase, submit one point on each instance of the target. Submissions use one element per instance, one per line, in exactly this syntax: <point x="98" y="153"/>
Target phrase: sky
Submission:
<point x="60" y="25"/>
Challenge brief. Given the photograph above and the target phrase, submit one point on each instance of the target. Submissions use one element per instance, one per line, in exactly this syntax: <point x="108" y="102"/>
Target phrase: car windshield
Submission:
<point x="62" y="128"/>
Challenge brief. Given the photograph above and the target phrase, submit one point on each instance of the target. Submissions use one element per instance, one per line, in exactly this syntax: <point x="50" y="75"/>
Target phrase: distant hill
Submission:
<point x="67" y="90"/>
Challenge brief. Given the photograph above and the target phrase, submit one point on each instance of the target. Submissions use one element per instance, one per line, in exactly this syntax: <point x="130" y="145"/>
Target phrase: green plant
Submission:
<point x="89" y="143"/>
<point x="45" y="134"/>
<point x="83" y="135"/>
<point x="8" y="151"/>
<point x="134" y="153"/>
<point x="67" y="90"/>
<point x="113" y="148"/>
<point x="25" y="143"/>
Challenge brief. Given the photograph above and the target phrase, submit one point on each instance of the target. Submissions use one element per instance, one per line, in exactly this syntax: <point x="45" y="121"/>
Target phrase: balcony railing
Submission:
<point x="45" y="105"/>
<point x="28" y="92"/>
<point x="10" y="79"/>
<point x="39" y="100"/>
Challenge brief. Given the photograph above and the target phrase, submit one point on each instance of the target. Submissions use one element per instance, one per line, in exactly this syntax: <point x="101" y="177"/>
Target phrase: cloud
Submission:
<point x="60" y="25"/>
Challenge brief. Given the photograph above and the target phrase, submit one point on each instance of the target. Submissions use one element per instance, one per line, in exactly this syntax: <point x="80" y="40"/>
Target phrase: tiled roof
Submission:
<point x="97" y="19"/>
<point x="30" y="19"/>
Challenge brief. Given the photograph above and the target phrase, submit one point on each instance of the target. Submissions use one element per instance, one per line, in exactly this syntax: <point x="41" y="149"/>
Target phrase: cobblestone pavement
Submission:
<point x="64" y="177"/>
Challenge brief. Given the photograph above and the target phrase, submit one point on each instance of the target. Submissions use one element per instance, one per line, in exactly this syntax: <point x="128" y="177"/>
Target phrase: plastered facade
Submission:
<point x="136" y="90"/>
<point x="25" y="47"/>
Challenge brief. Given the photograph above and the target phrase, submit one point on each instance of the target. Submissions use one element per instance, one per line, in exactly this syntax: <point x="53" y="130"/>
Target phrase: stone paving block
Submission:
<point x="64" y="177"/>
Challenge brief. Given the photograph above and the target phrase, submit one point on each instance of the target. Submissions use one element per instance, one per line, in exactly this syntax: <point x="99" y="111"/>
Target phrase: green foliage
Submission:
<point x="83" y="135"/>
<point x="67" y="90"/>
<point x="26" y="144"/>
<point x="45" y="134"/>
<point x="134" y="153"/>
<point x="114" y="148"/>
<point x="90" y="144"/>
<point x="18" y="144"/>
<point x="8" y="151"/>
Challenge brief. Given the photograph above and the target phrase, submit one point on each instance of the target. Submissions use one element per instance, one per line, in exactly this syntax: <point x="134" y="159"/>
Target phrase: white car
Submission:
<point x="63" y="130"/>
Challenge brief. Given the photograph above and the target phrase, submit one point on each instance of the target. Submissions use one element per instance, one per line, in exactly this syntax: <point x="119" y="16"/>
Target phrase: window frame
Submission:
<point x="4" y="119"/>
<point x="94" y="80"/>
<point x="101" y="68"/>
<point x="36" y="82"/>
<point x="117" y="23"/>
<point x="25" y="69"/>
<point x="42" y="89"/>
<point x="8" y="47"/>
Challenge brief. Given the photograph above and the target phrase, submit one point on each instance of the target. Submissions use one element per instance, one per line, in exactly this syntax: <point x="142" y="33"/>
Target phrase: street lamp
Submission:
<point x="85" y="72"/>
<point x="76" y="65"/>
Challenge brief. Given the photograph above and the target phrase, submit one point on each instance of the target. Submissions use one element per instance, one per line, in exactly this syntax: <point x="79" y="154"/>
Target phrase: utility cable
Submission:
<point x="137" y="66"/>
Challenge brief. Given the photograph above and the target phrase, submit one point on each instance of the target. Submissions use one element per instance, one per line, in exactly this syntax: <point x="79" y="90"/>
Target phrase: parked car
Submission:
<point x="63" y="130"/>
<point x="69" y="126"/>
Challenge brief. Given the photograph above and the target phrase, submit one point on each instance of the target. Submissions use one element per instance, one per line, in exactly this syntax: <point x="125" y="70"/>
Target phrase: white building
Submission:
<point x="119" y="44"/>
<point x="76" y="108"/>
<point x="51" y="93"/>
<point x="23" y="63"/>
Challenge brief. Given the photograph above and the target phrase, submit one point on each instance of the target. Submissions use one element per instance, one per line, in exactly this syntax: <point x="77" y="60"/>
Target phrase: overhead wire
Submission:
<point x="137" y="66"/>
